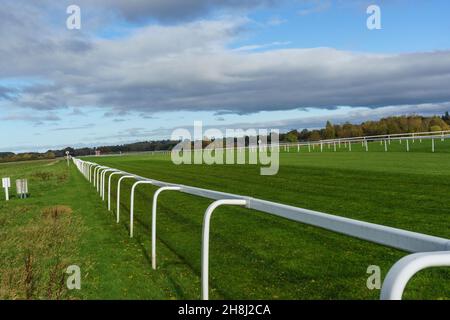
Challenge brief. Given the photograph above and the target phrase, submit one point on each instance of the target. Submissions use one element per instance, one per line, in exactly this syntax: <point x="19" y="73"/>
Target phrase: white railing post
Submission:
<point x="205" y="239"/>
<point x="104" y="182"/>
<point x="154" y="209"/>
<point x="90" y="174"/>
<point x="400" y="274"/>
<point x="118" y="196"/>
<point x="109" y="187"/>
<point x="96" y="171"/>
<point x="133" y="188"/>
<point x="94" y="174"/>
<point x="99" y="179"/>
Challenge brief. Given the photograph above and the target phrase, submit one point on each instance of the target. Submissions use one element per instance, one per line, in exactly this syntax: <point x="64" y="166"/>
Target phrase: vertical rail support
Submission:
<point x="154" y="209"/>
<point x="102" y="185"/>
<point x="205" y="239"/>
<point x="96" y="170"/>
<point x="99" y="179"/>
<point x="133" y="188"/>
<point x="90" y="168"/>
<point x="85" y="166"/>
<point x="432" y="145"/>
<point x="97" y="166"/>
<point x="109" y="187"/>
<point x="385" y="146"/>
<point x="118" y="196"/>
<point x="367" y="145"/>
<point x="407" y="145"/>
<point x="402" y="271"/>
<point x="309" y="147"/>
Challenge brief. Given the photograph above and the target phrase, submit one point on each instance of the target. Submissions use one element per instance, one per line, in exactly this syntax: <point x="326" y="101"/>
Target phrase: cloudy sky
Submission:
<point x="137" y="69"/>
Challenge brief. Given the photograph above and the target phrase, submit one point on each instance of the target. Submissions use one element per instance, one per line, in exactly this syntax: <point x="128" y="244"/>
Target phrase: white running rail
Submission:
<point x="430" y="251"/>
<point x="335" y="143"/>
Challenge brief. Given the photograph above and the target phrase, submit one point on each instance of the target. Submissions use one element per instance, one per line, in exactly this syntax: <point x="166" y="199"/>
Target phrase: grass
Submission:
<point x="253" y="255"/>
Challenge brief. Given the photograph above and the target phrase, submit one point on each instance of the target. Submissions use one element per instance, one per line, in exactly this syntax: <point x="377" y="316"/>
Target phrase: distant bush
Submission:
<point x="12" y="157"/>
<point x="44" y="176"/>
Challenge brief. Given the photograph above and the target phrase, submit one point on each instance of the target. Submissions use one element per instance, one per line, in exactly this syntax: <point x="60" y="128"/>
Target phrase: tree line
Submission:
<point x="389" y="125"/>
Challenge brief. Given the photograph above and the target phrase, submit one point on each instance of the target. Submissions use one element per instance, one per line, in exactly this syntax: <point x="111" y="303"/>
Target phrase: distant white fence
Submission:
<point x="335" y="144"/>
<point x="385" y="140"/>
<point x="428" y="251"/>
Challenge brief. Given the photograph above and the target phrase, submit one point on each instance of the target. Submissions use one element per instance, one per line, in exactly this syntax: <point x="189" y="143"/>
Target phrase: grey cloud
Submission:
<point x="6" y="93"/>
<point x="172" y="10"/>
<point x="356" y="116"/>
<point x="189" y="67"/>
<point x="37" y="119"/>
<point x="77" y="112"/>
<point x="86" y="126"/>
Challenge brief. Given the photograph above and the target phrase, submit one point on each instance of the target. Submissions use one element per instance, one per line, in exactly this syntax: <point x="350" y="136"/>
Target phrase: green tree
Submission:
<point x="315" y="136"/>
<point x="330" y="132"/>
<point x="292" y="136"/>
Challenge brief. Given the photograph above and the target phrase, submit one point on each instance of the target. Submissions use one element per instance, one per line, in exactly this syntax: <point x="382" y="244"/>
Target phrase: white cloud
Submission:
<point x="315" y="6"/>
<point x="262" y="46"/>
<point x="190" y="67"/>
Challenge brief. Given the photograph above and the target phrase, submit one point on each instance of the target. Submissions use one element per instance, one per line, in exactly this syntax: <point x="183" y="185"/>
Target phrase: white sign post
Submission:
<point x="6" y="184"/>
<point x="68" y="158"/>
<point x="22" y="188"/>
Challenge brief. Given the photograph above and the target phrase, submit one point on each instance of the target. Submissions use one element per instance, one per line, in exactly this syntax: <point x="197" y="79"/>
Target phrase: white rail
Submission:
<point x="205" y="239"/>
<point x="133" y="189"/>
<point x="391" y="237"/>
<point x="154" y="208"/>
<point x="400" y="274"/>
<point x="430" y="135"/>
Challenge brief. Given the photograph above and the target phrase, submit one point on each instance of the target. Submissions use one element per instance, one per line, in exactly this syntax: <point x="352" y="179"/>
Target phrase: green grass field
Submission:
<point x="253" y="255"/>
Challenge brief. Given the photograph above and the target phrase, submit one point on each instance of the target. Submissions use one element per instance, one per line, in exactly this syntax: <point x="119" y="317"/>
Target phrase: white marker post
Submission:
<point x="6" y="183"/>
<point x="67" y="156"/>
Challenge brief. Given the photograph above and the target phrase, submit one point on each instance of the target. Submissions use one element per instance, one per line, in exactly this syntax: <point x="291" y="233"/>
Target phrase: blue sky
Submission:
<point x="137" y="73"/>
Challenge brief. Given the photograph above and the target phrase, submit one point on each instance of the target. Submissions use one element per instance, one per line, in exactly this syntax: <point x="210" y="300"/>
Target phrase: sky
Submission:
<point x="136" y="70"/>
